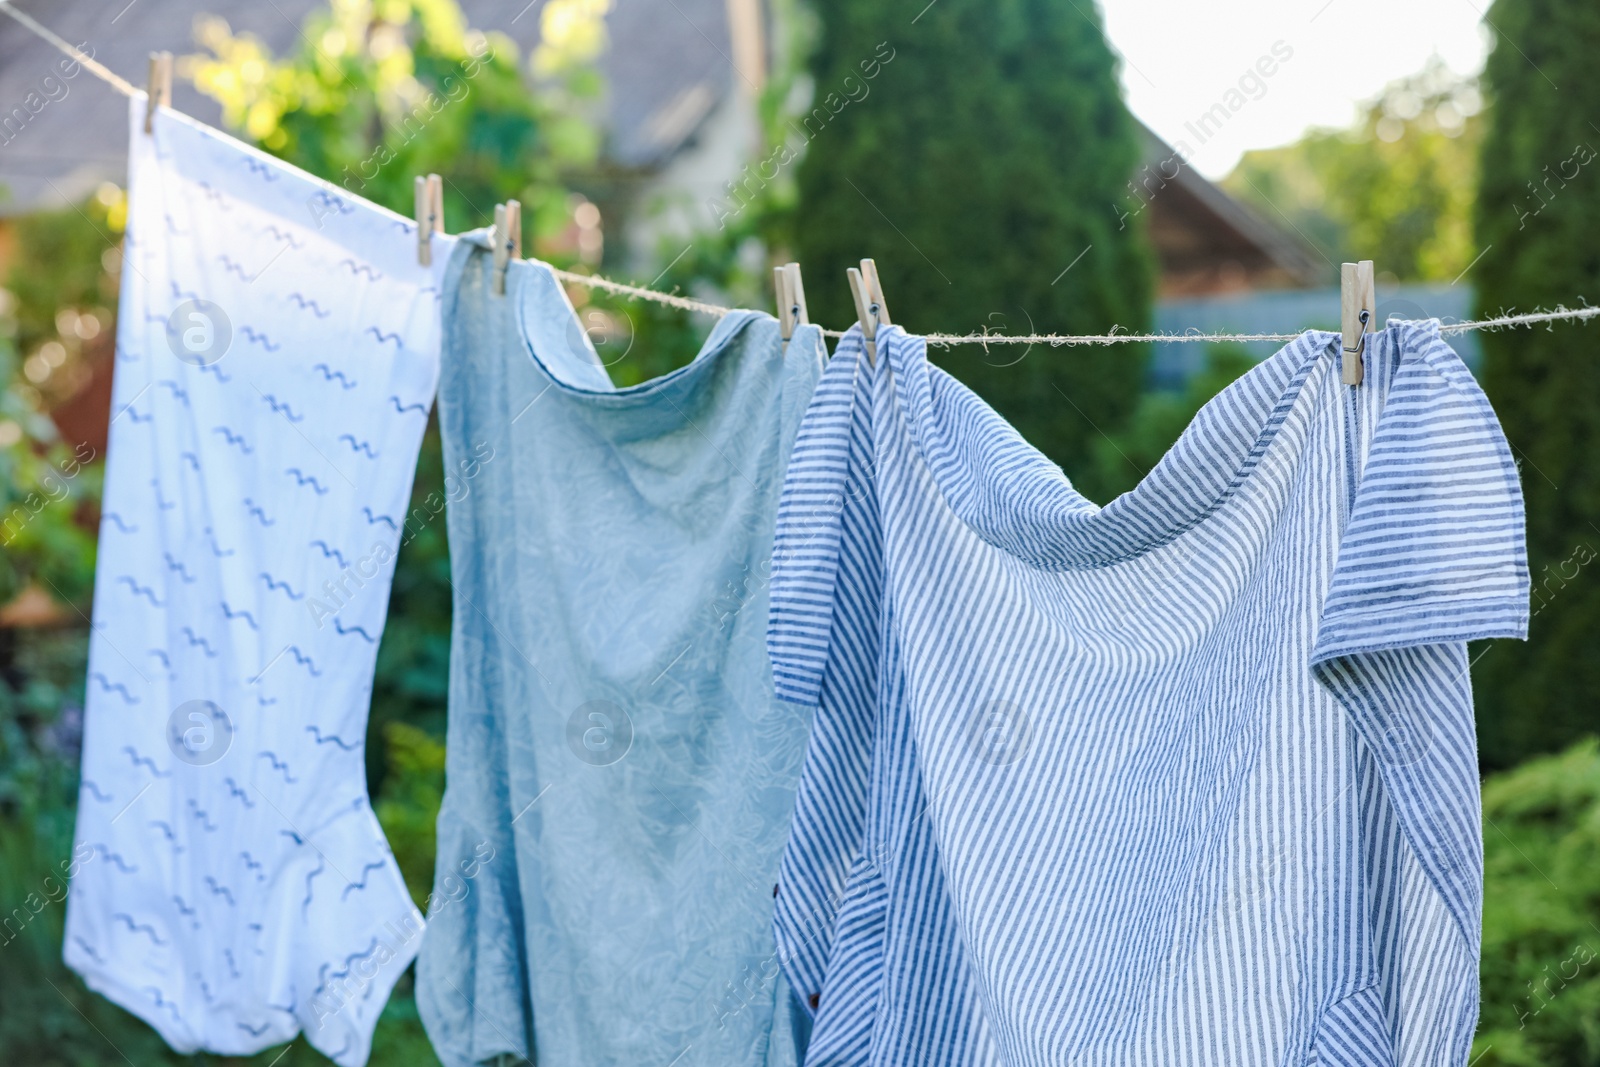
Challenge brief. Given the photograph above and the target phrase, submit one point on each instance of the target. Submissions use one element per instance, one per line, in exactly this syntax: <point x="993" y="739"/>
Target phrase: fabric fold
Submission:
<point x="1193" y="771"/>
<point x="614" y="744"/>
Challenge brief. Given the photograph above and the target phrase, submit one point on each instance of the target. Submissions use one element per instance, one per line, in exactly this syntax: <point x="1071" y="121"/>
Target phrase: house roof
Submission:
<point x="666" y="70"/>
<point x="1209" y="242"/>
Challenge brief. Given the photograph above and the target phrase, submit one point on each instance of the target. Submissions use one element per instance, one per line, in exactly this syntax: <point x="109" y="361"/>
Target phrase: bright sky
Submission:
<point x="1182" y="56"/>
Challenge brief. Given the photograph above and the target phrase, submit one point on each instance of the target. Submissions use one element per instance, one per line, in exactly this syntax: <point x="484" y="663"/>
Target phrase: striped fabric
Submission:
<point x="1187" y="779"/>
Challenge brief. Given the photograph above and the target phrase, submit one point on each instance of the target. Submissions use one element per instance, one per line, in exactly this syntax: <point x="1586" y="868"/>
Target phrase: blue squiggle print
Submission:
<point x="145" y="761"/>
<point x="322" y="739"/>
<point x="329" y="552"/>
<point x="137" y="928"/>
<point x="329" y="374"/>
<point x="358" y="446"/>
<point x="140" y="590"/>
<point x="362" y="884"/>
<point x="307" y="479"/>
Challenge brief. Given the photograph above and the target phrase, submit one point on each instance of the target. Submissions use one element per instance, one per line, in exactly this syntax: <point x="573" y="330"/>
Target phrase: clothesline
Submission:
<point x="936" y="340"/>
<point x="945" y="340"/>
<point x="99" y="70"/>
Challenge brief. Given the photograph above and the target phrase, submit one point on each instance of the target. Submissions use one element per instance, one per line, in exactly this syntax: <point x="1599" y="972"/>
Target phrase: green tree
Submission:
<point x="1541" y="917"/>
<point x="976" y="152"/>
<point x="1537" y="212"/>
<point x="1397" y="187"/>
<point x="379" y="91"/>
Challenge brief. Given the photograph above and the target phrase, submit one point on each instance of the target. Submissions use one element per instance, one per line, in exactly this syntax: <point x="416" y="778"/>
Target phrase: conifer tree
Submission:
<point x="1537" y="223"/>
<point x="981" y="153"/>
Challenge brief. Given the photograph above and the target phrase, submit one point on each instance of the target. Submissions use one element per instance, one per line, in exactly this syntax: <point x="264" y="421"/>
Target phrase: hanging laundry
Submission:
<point x="277" y="355"/>
<point x="1188" y="779"/>
<point x="620" y="774"/>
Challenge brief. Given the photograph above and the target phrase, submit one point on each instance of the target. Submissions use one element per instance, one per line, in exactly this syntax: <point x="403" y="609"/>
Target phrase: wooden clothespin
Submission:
<point x="797" y="294"/>
<point x="871" y="309"/>
<point x="159" y="92"/>
<point x="1358" y="308"/>
<point x="869" y="329"/>
<point x="507" y="240"/>
<point x="780" y="282"/>
<point x="869" y="274"/>
<point x="791" y="298"/>
<point x="429" y="214"/>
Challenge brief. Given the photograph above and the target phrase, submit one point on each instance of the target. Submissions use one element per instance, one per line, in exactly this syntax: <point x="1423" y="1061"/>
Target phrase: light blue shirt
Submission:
<point x="620" y="774"/>
<point x="1188" y="779"/>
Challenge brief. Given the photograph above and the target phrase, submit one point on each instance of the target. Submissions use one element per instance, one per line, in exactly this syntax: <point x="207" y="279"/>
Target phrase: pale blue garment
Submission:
<point x="620" y="775"/>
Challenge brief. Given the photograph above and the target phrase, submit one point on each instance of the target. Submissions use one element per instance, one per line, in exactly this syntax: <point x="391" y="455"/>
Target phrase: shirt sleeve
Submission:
<point x="1434" y="550"/>
<point x="809" y="537"/>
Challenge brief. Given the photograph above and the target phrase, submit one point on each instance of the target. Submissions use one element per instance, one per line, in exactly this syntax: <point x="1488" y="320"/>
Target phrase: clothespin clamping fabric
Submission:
<point x="429" y="214"/>
<point x="1358" y="310"/>
<point x="797" y="294"/>
<point x="871" y="309"/>
<point x="780" y="285"/>
<point x="791" y="298"/>
<point x="159" y="92"/>
<point x="507" y="240"/>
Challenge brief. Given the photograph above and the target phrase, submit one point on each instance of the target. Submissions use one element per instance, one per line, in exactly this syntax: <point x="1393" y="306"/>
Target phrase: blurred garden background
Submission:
<point x="691" y="146"/>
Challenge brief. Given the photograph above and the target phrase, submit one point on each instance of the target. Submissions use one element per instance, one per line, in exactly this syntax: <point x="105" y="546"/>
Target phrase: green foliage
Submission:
<point x="48" y="493"/>
<point x="43" y="485"/>
<point x="380" y="91"/>
<point x="65" y="259"/>
<point x="1537" y="214"/>
<point x="408" y="807"/>
<point x="1541" y="936"/>
<point x="975" y="154"/>
<point x="639" y="340"/>
<point x="1396" y="188"/>
<point x="59" y="277"/>
<point x="1125" y="457"/>
<point x="412" y="677"/>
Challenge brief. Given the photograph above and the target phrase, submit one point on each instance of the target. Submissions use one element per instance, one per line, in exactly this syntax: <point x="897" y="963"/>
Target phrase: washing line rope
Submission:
<point x="936" y="340"/>
<point x="1055" y="340"/>
<point x="99" y="70"/>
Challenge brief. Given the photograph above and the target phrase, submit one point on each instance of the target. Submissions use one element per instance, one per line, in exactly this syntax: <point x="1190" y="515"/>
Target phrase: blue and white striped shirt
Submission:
<point x="1187" y="779"/>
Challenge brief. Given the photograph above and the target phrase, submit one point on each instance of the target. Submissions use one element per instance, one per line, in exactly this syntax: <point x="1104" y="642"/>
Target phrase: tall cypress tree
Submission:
<point x="1538" y="223"/>
<point x="977" y="151"/>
